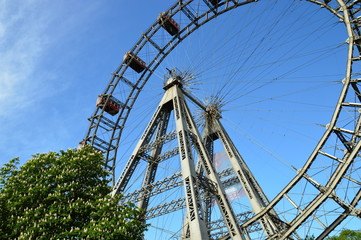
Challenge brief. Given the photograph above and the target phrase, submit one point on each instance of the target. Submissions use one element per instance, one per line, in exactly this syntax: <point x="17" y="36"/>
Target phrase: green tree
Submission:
<point x="310" y="237"/>
<point x="347" y="234"/>
<point x="63" y="195"/>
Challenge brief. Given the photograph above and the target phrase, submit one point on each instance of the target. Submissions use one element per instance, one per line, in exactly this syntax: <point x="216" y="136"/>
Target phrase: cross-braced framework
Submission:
<point x="202" y="186"/>
<point x="325" y="189"/>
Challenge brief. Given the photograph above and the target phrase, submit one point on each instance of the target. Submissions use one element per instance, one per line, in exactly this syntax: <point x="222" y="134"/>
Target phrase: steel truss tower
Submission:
<point x="329" y="177"/>
<point x="198" y="176"/>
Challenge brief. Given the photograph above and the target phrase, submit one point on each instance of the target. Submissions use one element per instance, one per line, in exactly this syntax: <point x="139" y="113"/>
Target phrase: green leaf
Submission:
<point x="63" y="195"/>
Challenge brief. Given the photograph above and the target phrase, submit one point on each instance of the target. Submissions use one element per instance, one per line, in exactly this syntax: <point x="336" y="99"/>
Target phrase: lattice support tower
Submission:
<point x="199" y="178"/>
<point x="105" y="133"/>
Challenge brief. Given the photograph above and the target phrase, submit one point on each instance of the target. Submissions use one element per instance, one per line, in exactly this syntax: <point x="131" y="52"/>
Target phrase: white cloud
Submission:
<point x="30" y="31"/>
<point x="2" y="30"/>
<point x="21" y="47"/>
<point x="42" y="43"/>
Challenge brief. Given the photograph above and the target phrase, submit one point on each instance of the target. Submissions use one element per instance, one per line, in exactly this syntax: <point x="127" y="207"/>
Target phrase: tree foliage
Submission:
<point x="63" y="195"/>
<point x="347" y="234"/>
<point x="312" y="237"/>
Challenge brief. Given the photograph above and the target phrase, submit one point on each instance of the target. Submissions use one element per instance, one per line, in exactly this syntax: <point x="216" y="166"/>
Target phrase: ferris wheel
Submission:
<point x="280" y="80"/>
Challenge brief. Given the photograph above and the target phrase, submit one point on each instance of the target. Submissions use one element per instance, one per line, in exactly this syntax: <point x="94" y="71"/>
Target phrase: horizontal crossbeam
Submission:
<point x="166" y="208"/>
<point x="162" y="140"/>
<point x="158" y="187"/>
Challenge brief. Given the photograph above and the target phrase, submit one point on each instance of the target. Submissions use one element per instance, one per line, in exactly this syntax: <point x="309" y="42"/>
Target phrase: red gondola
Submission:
<point x="134" y="61"/>
<point x="112" y="106"/>
<point x="168" y="23"/>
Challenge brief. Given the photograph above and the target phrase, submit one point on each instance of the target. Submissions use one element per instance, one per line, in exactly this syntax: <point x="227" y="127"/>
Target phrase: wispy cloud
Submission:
<point x="40" y="42"/>
<point x="21" y="47"/>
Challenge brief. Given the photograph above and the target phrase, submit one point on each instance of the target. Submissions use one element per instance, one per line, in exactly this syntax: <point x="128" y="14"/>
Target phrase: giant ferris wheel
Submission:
<point x="238" y="120"/>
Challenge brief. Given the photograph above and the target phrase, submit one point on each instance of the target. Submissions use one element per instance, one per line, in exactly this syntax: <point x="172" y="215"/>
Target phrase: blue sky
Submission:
<point x="57" y="56"/>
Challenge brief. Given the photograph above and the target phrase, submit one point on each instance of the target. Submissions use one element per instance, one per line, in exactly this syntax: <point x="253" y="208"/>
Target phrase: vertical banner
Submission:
<point x="221" y="162"/>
